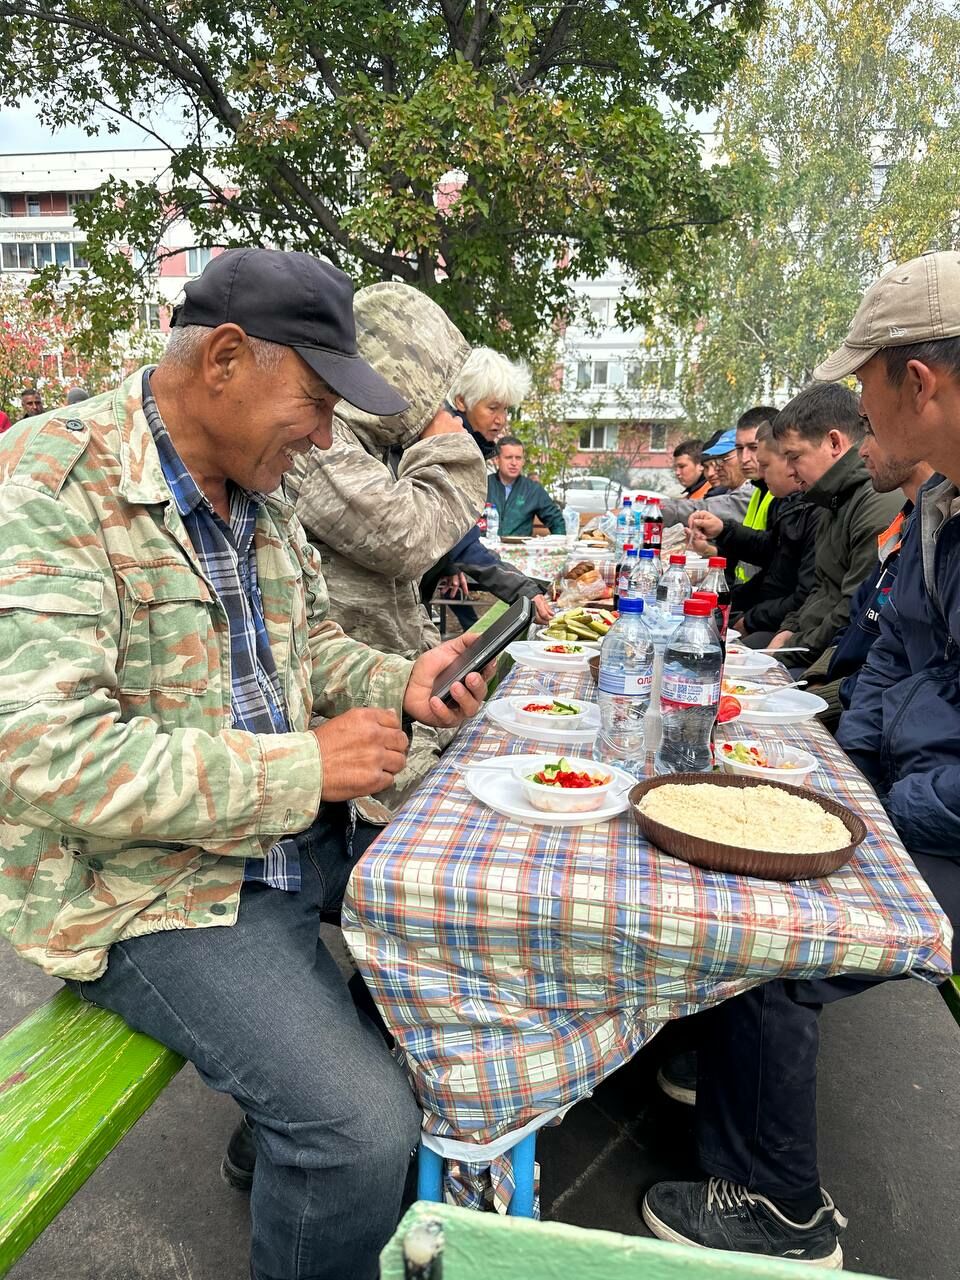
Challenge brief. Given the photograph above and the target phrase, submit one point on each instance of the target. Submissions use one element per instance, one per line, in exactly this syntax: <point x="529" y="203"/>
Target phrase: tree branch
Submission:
<point x="329" y="78"/>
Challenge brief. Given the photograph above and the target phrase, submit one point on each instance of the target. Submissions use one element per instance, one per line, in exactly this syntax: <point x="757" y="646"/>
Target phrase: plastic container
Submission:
<point x="673" y="589"/>
<point x="787" y="764"/>
<point x="623" y="687"/>
<point x="754" y="694"/>
<point x="645" y="578"/>
<point x="715" y="580"/>
<point x="624" y="527"/>
<point x="690" y="692"/>
<point x="624" y="573"/>
<point x="653" y="526"/>
<point x="560" y="799"/>
<point x="571" y="525"/>
<point x="492" y="519"/>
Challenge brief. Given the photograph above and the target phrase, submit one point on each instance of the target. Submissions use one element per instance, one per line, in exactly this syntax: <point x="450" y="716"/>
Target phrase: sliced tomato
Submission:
<point x="729" y="709"/>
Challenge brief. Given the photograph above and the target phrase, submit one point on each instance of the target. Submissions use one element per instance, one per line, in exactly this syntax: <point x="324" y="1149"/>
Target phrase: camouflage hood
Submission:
<point x="409" y="340"/>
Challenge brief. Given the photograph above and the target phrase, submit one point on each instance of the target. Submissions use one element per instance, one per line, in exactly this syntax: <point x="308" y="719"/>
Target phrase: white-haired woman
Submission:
<point x="488" y="386"/>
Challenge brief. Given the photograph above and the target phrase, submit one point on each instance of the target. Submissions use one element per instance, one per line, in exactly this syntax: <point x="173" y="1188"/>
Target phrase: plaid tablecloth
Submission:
<point x="517" y="966"/>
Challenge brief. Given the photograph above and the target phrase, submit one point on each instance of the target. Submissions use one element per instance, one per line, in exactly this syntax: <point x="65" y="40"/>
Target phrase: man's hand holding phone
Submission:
<point x="467" y="694"/>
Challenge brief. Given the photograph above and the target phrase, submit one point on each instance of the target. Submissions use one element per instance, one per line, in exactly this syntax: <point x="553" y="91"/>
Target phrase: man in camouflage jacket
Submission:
<point x="393" y="494"/>
<point x="149" y="850"/>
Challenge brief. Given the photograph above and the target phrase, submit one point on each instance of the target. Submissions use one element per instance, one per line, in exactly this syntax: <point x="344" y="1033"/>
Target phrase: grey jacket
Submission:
<point x="728" y="506"/>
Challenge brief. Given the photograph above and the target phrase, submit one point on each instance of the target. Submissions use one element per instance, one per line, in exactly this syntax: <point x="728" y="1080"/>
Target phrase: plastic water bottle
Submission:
<point x="571" y="524"/>
<point x="645" y="578"/>
<point x="492" y="517"/>
<point x="717" y="615"/>
<point x="716" y="581"/>
<point x="624" y="575"/>
<point x="624" y="527"/>
<point x="690" y="692"/>
<point x="639" y="516"/>
<point x="623" y="689"/>
<point x="674" y="587"/>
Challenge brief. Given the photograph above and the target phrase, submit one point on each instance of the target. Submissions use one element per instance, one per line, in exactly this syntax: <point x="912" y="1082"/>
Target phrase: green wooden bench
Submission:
<point x="484" y="1246"/>
<point x="73" y="1080"/>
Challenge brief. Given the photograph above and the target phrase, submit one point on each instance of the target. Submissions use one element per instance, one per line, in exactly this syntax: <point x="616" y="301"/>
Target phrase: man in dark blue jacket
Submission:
<point x="756" y="1081"/>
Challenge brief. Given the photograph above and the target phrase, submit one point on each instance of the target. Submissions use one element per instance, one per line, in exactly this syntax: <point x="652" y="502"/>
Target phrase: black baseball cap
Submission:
<point x="297" y="301"/>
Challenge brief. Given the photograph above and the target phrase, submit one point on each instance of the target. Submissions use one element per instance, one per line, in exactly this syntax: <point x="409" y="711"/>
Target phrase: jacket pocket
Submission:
<point x="166" y="637"/>
<point x="49" y="626"/>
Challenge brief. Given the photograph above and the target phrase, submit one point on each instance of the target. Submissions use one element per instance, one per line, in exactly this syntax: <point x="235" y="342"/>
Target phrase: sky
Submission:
<point x="21" y="130"/>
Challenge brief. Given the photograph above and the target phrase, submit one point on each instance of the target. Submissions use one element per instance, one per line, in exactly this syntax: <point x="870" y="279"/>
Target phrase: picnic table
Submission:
<point x="517" y="966"/>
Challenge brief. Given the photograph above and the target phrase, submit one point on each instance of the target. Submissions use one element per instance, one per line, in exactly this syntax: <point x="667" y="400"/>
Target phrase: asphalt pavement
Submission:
<point x="156" y="1209"/>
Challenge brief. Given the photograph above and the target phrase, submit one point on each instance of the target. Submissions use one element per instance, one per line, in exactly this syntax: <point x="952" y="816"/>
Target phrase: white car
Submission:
<point x="588" y="494"/>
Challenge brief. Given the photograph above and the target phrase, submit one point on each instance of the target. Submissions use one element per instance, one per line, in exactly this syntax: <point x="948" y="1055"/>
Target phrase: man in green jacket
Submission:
<point x="819" y="432"/>
<point x="174" y="821"/>
<point x="517" y="498"/>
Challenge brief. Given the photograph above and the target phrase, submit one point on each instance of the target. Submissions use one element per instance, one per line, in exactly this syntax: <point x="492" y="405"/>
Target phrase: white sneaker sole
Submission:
<point x="688" y="1097"/>
<point x="833" y="1261"/>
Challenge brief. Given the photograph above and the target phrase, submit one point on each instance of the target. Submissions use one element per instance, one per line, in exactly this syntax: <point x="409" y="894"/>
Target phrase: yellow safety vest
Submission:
<point x="756" y="518"/>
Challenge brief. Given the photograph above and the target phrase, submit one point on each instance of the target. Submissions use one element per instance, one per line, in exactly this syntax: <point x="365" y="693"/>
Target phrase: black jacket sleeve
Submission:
<point x="737" y="542"/>
<point x="791" y="578"/>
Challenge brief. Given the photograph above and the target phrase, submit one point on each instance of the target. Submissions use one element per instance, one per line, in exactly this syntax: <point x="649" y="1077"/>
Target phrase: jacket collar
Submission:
<point x="142" y="481"/>
<point x="846" y="474"/>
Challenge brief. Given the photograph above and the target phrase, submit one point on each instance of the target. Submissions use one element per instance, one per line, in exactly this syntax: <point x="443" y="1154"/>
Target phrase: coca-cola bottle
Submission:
<point x="653" y="526"/>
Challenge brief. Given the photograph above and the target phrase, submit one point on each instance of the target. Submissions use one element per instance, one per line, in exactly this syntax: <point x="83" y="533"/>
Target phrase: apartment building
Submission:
<point x="621" y="385"/>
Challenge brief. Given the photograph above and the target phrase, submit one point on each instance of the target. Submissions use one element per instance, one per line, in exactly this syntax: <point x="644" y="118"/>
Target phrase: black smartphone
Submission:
<point x="508" y="627"/>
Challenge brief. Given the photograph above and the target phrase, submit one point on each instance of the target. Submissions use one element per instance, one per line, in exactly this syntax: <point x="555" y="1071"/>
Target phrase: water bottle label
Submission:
<point x="677" y="608"/>
<point x="632" y="684"/>
<point x="680" y="688"/>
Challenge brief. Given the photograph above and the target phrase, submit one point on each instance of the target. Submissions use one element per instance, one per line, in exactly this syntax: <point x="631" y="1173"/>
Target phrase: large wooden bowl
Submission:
<point x="768" y="865"/>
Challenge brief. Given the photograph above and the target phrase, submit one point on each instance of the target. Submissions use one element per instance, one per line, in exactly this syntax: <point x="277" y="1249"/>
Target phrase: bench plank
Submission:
<point x="73" y="1080"/>
<point x="484" y="1246"/>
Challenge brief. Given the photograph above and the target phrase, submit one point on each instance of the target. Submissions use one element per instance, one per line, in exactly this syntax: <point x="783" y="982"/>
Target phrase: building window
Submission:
<point x="599" y="310"/>
<point x="654" y="372"/>
<point x="24" y="255"/>
<point x="600" y="368"/>
<point x="78" y="197"/>
<point x="6" y="205"/>
<point x="197" y="259"/>
<point x="33" y="206"/>
<point x="658" y="437"/>
<point x="583" y="375"/>
<point x="149" y="315"/>
<point x="599" y="438"/>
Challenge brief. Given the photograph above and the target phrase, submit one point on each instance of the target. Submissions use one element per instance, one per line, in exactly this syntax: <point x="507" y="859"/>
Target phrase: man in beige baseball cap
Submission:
<point x="902" y="347"/>
<point x="756" y="1086"/>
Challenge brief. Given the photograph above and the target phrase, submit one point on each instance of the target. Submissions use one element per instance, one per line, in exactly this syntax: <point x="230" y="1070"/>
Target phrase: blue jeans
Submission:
<point x="261" y="1010"/>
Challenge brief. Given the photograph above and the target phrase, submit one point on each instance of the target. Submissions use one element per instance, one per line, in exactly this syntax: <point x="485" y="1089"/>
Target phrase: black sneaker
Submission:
<point x="236" y="1167"/>
<point x="677" y="1078"/>
<point x="717" y="1214"/>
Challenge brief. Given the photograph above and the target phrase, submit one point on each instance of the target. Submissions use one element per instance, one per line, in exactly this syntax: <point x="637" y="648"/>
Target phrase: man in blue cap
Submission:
<point x="735" y="455"/>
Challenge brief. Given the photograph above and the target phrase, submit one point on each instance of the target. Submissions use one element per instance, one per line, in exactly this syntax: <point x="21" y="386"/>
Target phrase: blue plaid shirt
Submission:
<point x="226" y="554"/>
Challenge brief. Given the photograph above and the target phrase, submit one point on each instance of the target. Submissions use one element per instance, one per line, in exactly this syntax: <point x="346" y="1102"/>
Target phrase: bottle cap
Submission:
<point x="630" y="549"/>
<point x="677" y="559"/>
<point x="647" y="553"/>
<point x="697" y="608"/>
<point x="717" y="562"/>
<point x="628" y="546"/>
<point x="631" y="605"/>
<point x="711" y="597"/>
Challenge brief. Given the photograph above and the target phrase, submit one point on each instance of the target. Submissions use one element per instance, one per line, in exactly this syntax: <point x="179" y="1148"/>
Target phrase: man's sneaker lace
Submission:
<point x="718" y="1214"/>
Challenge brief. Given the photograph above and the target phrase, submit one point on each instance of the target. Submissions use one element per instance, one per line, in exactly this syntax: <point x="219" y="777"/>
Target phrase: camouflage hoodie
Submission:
<point x="128" y="802"/>
<point x="382" y="505"/>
